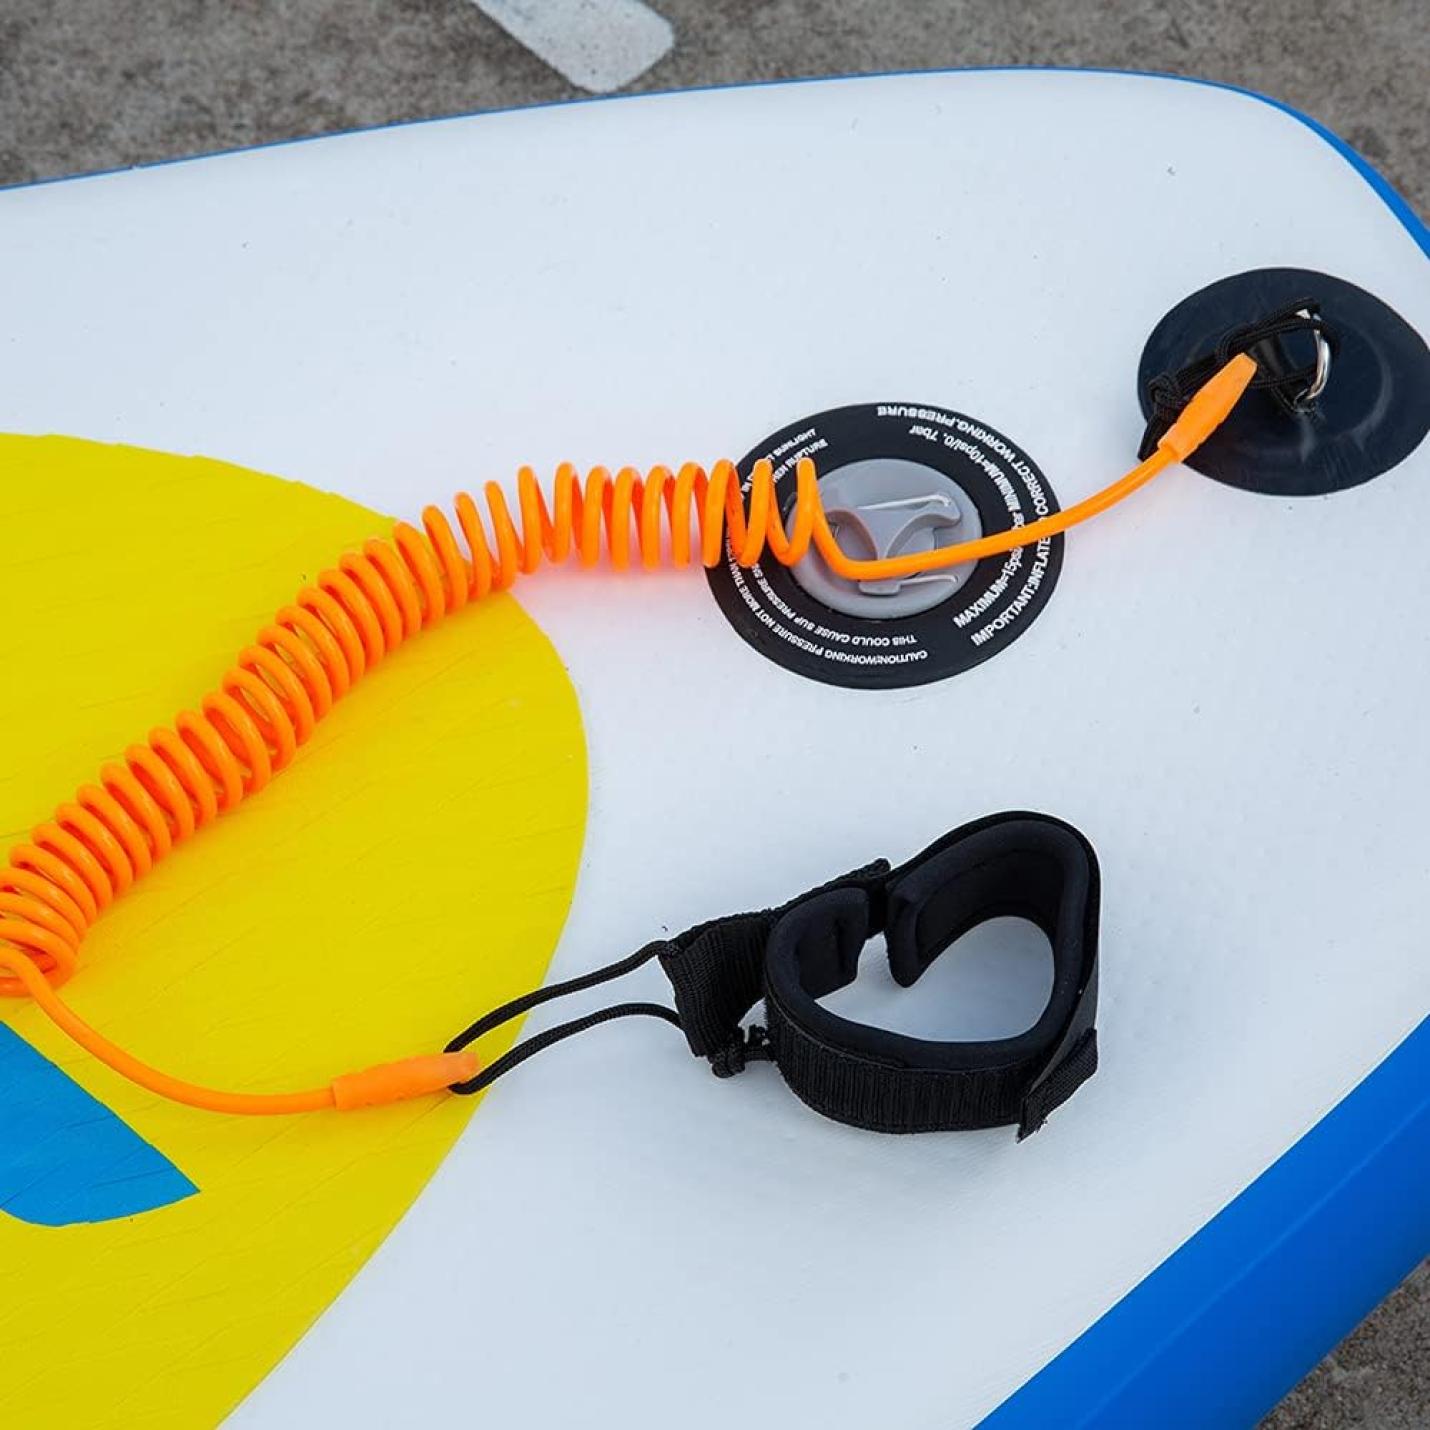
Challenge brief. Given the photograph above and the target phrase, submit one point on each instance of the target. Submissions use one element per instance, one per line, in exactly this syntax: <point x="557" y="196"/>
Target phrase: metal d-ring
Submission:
<point x="1323" y="367"/>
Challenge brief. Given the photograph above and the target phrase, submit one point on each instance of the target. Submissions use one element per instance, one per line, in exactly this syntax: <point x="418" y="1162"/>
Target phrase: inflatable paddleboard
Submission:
<point x="962" y="298"/>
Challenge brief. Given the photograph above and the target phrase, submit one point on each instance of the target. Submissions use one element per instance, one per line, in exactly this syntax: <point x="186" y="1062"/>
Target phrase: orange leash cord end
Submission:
<point x="268" y="704"/>
<point x="1210" y="406"/>
<point x="395" y="1082"/>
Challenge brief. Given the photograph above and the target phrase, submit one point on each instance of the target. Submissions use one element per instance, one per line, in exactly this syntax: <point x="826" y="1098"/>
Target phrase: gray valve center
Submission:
<point x="888" y="506"/>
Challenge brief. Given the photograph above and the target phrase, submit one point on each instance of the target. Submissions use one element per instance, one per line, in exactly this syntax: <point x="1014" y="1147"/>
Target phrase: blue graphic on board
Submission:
<point x="66" y="1158"/>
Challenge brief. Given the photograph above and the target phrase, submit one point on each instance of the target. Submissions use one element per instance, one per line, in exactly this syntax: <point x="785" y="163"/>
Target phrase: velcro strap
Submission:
<point x="1022" y="864"/>
<point x="717" y="969"/>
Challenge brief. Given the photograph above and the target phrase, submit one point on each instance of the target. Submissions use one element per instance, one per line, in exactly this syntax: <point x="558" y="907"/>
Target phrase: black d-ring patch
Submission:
<point x="1373" y="413"/>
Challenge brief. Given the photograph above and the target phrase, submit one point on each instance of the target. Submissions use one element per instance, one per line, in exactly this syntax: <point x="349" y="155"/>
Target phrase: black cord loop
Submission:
<point x="750" y="1045"/>
<point x="1287" y="383"/>
<point x="524" y="1004"/>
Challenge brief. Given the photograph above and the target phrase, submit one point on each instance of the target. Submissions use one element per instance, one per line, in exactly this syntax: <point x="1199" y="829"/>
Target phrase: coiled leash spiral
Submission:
<point x="164" y="790"/>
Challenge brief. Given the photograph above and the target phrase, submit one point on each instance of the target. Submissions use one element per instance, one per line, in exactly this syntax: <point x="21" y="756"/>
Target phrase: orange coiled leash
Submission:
<point x="269" y="702"/>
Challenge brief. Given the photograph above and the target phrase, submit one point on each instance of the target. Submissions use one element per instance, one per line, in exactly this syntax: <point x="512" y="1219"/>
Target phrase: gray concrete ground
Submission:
<point x="88" y="84"/>
<point x="95" y="84"/>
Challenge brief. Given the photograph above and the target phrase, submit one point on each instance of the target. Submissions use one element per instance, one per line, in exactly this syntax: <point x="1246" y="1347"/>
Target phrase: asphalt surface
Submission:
<point x="99" y="84"/>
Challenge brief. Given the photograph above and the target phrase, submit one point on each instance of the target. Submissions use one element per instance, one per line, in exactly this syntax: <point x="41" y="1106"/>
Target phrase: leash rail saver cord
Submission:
<point x="183" y="777"/>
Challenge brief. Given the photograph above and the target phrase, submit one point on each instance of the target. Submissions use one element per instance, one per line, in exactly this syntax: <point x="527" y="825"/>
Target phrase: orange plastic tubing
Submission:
<point x="267" y="704"/>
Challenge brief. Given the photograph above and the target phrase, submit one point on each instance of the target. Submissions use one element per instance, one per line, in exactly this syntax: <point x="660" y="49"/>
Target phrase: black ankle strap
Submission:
<point x="1025" y="864"/>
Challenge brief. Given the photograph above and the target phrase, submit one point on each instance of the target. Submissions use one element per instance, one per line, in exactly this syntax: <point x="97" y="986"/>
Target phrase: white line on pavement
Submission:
<point x="599" y="45"/>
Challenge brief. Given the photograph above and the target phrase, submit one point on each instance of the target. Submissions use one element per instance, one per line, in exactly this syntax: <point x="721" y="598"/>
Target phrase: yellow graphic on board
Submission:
<point x="412" y="868"/>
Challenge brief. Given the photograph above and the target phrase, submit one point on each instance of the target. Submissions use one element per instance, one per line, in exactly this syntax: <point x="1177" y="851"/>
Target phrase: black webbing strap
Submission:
<point x="1023" y="864"/>
<point x="1277" y="374"/>
<point x="717" y="969"/>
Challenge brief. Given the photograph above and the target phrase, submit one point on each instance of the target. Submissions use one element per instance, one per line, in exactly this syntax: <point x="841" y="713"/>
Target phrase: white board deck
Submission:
<point x="399" y="314"/>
